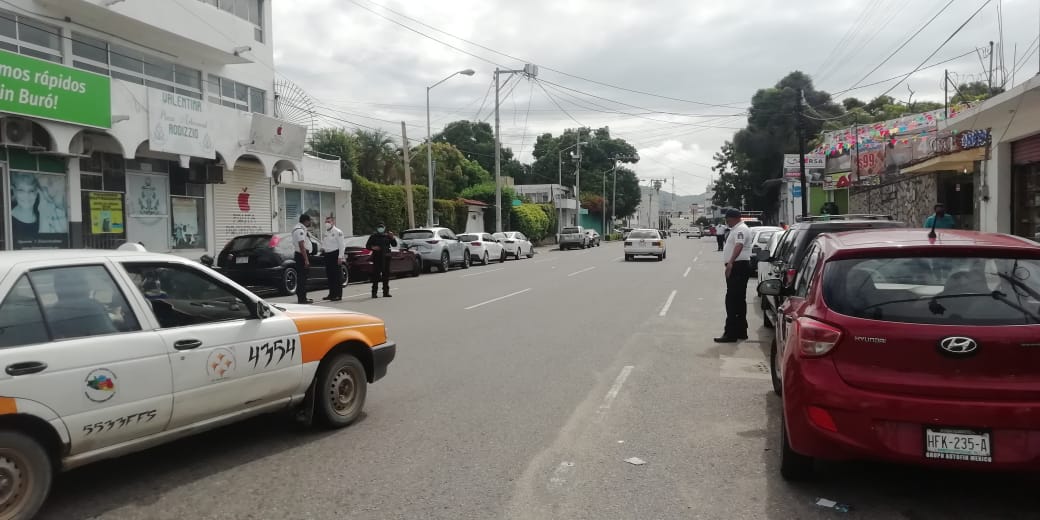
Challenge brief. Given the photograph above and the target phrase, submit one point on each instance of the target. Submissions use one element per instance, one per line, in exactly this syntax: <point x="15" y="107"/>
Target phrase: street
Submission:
<point x="518" y="392"/>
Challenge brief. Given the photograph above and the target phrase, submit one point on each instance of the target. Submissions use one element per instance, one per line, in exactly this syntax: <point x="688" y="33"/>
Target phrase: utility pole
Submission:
<point x="613" y="200"/>
<point x="603" y="205"/>
<point x="577" y="181"/>
<point x="946" y="94"/>
<point x="408" y="179"/>
<point x="801" y="154"/>
<point x="530" y="71"/>
<point x="990" y="68"/>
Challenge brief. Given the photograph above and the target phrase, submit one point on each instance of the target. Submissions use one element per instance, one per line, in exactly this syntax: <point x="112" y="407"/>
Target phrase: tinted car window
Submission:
<point x="470" y="238"/>
<point x="446" y="234"/>
<point x="417" y="234"/>
<point x="182" y="296"/>
<point x="248" y="242"/>
<point x="21" y="322"/>
<point x="936" y="290"/>
<point x="356" y="242"/>
<point x="571" y="230"/>
<point x="806" y="272"/>
<point x="82" y="301"/>
<point x="644" y="234"/>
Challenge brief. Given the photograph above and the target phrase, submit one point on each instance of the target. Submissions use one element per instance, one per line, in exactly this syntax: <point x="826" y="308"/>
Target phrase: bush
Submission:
<point x="451" y="214"/>
<point x="531" y="220"/>
<point x="613" y="236"/>
<point x="373" y="203"/>
<point x="550" y="211"/>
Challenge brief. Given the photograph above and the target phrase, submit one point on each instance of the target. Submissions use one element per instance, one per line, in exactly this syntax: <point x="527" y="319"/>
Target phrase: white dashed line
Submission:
<point x="687" y="273"/>
<point x="581" y="271"/>
<point x="667" y="304"/>
<point x="482" y="272"/>
<point x="493" y="300"/>
<point x="615" y="388"/>
<point x="695" y="259"/>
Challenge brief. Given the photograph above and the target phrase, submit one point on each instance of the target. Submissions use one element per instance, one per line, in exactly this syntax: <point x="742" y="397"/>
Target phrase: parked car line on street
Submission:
<point x="266" y="259"/>
<point x="515" y="243"/>
<point x="403" y="261"/>
<point x="484" y="248"/>
<point x="438" y="247"/>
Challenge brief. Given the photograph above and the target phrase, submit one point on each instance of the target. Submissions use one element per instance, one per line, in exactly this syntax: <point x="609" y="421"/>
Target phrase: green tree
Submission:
<point x="376" y="156"/>
<point x="476" y="141"/>
<point x="974" y="91"/>
<point x="340" y="143"/>
<point x="453" y="171"/>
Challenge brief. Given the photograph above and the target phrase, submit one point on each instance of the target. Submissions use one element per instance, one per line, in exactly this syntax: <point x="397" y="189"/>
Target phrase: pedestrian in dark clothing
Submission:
<point x="302" y="257"/>
<point x="380" y="243"/>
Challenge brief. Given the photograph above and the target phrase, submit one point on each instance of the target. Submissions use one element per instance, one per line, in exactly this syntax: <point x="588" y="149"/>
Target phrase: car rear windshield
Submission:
<point x="417" y="234"/>
<point x="248" y="242"/>
<point x="470" y="238"/>
<point x="644" y="234"/>
<point x="763" y="237"/>
<point x="936" y="290"/>
<point x="571" y="230"/>
<point x="502" y="235"/>
<point x="357" y="242"/>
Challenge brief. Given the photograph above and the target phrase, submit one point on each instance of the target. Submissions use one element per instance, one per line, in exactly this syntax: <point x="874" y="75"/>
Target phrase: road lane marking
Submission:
<point x="687" y="273"/>
<point x="618" y="259"/>
<point x="493" y="300"/>
<point x="482" y="272"/>
<point x="582" y="271"/>
<point x="695" y="259"/>
<point x="615" y="388"/>
<point x="667" y="304"/>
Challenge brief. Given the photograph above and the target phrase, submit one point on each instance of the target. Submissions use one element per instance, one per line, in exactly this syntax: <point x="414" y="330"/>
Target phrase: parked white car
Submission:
<point x="760" y="237"/>
<point x="765" y="269"/>
<point x="645" y="242"/>
<point x="515" y="244"/>
<point x="483" y="248"/>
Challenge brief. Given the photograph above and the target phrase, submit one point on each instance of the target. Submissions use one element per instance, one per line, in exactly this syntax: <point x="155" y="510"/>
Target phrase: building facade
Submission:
<point x="560" y="196"/>
<point x="141" y="121"/>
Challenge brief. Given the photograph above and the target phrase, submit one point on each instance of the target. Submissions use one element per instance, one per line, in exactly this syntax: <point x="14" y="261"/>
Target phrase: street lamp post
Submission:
<point x="429" y="145"/>
<point x="559" y="159"/>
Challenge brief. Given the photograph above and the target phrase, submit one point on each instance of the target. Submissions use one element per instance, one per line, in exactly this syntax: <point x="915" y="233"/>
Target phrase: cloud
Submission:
<point x="365" y="69"/>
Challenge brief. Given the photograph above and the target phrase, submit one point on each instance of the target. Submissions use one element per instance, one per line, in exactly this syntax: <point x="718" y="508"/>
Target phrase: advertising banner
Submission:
<point x="38" y="216"/>
<point x="44" y="89"/>
<point x="277" y="137"/>
<point x="835" y="181"/>
<point x="106" y="213"/>
<point x="814" y="166"/>
<point x="180" y="124"/>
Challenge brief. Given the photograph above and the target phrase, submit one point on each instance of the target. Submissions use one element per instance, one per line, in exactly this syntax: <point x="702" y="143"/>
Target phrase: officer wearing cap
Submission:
<point x="380" y="243"/>
<point x="301" y="256"/>
<point x="737" y="255"/>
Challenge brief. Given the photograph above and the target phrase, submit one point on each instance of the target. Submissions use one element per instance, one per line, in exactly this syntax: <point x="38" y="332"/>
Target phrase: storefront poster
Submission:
<point x="147" y="195"/>
<point x="39" y="218"/>
<point x="814" y="166"/>
<point x="835" y="181"/>
<point x="186" y="234"/>
<point x="277" y="137"/>
<point x="45" y="89"/>
<point x="106" y="213"/>
<point x="180" y="124"/>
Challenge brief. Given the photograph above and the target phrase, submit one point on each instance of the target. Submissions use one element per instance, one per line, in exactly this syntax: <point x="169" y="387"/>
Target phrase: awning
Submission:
<point x="957" y="161"/>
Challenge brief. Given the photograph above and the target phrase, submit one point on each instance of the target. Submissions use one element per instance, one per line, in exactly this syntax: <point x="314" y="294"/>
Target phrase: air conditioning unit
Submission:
<point x="16" y="132"/>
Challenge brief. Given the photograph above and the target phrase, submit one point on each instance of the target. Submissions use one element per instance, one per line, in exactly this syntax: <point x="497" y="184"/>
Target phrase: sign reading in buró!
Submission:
<point x="179" y="124"/>
<point x="40" y="88"/>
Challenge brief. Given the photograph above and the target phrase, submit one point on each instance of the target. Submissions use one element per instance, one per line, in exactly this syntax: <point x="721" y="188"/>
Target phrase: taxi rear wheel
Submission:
<point x="342" y="387"/>
<point x="25" y="476"/>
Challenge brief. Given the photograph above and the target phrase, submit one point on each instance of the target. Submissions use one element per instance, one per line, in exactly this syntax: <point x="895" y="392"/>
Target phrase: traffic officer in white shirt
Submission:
<point x="334" y="246"/>
<point x="302" y="255"/>
<point x="737" y="255"/>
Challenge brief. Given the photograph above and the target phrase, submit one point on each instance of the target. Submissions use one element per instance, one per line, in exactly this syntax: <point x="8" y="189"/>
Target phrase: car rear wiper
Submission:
<point x="937" y="308"/>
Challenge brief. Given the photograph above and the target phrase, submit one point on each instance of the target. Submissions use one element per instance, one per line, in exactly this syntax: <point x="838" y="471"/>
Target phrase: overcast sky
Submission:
<point x="363" y="68"/>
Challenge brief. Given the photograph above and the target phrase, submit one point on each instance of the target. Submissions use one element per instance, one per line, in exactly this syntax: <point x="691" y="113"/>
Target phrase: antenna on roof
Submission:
<point x="931" y="234"/>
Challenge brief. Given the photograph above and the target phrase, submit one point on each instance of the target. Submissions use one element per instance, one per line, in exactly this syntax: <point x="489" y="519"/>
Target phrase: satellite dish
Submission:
<point x="294" y="105"/>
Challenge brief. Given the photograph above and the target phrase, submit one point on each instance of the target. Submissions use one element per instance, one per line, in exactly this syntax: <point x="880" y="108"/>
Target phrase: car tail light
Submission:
<point x="275" y="239"/>
<point x="655" y="244"/>
<point x="362" y="252"/>
<point x="628" y="243"/>
<point x="789" y="277"/>
<point x="815" y="338"/>
<point x="433" y="241"/>
<point x="822" y="419"/>
<point x="509" y="241"/>
<point x="475" y="244"/>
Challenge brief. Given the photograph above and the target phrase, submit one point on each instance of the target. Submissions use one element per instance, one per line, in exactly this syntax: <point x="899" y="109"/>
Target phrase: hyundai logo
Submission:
<point x="958" y="346"/>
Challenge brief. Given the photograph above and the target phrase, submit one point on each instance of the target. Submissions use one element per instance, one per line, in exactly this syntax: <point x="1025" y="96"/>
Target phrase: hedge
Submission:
<point x="451" y="214"/>
<point x="373" y="203"/>
<point x="531" y="220"/>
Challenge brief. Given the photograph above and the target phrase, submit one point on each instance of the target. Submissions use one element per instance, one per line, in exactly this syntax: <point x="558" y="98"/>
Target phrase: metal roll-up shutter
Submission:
<point x="242" y="205"/>
<point x="1026" y="151"/>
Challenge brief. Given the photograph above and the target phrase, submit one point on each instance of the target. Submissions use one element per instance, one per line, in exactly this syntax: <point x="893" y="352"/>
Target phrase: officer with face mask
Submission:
<point x="334" y="246"/>
<point x="379" y="243"/>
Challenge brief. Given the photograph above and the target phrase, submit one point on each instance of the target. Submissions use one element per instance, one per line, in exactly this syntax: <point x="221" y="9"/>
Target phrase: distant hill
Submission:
<point x="682" y="202"/>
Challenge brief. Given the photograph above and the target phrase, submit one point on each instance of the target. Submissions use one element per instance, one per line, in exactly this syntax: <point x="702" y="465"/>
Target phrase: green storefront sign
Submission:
<point x="43" y="89"/>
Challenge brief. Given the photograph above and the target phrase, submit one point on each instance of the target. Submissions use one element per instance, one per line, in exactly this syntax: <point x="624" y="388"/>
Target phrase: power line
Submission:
<point x="904" y="44"/>
<point x="833" y="57"/>
<point x="943" y="44"/>
<point x="551" y="98"/>
<point x="489" y="49"/>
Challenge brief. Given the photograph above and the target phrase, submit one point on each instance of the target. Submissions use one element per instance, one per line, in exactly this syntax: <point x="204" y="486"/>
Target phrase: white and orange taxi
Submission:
<point x="109" y="352"/>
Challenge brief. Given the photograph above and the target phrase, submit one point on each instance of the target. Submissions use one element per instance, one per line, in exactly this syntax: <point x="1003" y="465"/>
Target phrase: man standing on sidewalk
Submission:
<point x="379" y="243"/>
<point x="334" y="246"/>
<point x="302" y="257"/>
<point x="720" y="235"/>
<point x="737" y="255"/>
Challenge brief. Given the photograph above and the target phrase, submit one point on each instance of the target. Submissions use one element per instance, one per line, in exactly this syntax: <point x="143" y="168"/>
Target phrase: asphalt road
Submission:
<point x="518" y="392"/>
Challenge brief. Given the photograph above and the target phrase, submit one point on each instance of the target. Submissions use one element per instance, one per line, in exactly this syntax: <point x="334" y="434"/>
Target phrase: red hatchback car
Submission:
<point x="899" y="347"/>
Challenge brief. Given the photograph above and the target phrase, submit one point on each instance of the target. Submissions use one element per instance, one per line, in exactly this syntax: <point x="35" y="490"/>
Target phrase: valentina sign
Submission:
<point x="179" y="124"/>
<point x="40" y="88"/>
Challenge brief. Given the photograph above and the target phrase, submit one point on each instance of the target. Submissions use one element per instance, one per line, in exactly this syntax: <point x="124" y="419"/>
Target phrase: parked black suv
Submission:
<point x="266" y="259"/>
<point x="795" y="242"/>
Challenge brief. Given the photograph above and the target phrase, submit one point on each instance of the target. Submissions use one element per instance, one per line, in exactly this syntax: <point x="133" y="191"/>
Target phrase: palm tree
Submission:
<point x="375" y="150"/>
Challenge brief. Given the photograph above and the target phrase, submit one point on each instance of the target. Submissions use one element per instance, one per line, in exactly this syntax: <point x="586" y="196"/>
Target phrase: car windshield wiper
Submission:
<point x="937" y="308"/>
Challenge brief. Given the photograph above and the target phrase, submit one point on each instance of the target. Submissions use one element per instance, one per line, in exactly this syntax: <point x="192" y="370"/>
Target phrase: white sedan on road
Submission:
<point x="644" y="242"/>
<point x="515" y="244"/>
<point x="483" y="248"/>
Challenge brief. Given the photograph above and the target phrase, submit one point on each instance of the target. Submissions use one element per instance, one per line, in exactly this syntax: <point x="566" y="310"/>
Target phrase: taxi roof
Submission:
<point x="855" y="243"/>
<point x="10" y="258"/>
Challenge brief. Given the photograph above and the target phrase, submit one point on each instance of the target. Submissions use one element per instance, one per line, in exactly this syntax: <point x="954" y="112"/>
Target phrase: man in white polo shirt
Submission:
<point x="737" y="255"/>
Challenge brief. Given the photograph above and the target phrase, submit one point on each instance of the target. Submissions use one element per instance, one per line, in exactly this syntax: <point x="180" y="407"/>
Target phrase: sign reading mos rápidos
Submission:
<point x="39" y="88"/>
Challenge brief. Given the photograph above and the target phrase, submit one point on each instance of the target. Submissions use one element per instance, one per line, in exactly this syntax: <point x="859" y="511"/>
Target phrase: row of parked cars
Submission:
<point x="266" y="259"/>
<point x="906" y="345"/>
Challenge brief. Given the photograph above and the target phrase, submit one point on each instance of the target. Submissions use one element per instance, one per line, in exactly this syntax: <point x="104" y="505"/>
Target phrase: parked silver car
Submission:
<point x="573" y="236"/>
<point x="438" y="247"/>
<point x="515" y="244"/>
